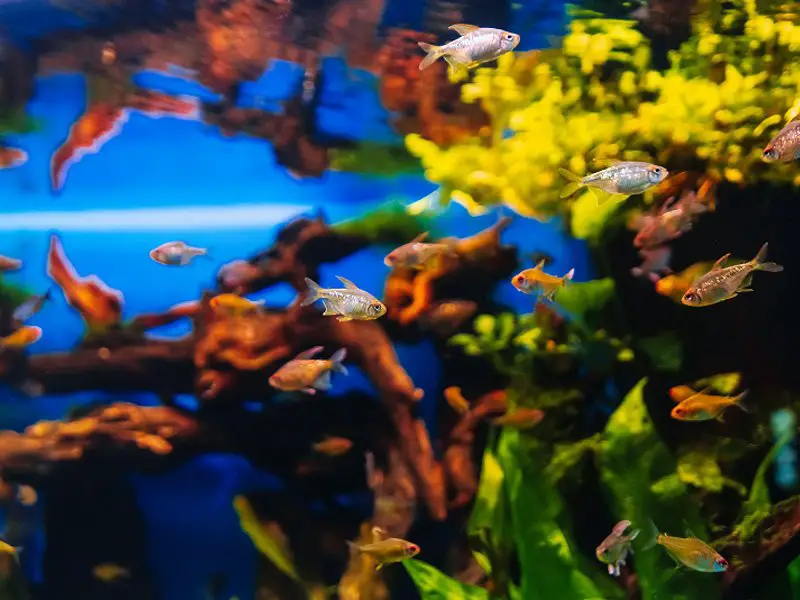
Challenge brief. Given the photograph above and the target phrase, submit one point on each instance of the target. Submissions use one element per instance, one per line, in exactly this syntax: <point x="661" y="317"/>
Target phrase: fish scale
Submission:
<point x="628" y="178"/>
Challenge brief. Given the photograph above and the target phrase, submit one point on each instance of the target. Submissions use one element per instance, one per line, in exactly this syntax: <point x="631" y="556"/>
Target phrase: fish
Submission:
<point x="305" y="374"/>
<point x="27" y="496"/>
<point x="655" y="262"/>
<point x="617" y="181"/>
<point x="385" y="550"/>
<point x="674" y="286"/>
<point x="8" y="549"/>
<point x="705" y="407"/>
<point x="109" y="572"/>
<point x="723" y="283"/>
<point x="176" y="253"/>
<point x="670" y="222"/>
<point x="235" y="305"/>
<point x="456" y="399"/>
<point x="785" y="146"/>
<point x="11" y="158"/>
<point x="9" y="264"/>
<point x="476" y="46"/>
<point x="99" y="305"/>
<point x="348" y="303"/>
<point x="418" y="254"/>
<point x="237" y="275"/>
<point x="679" y="393"/>
<point x="447" y="316"/>
<point x="30" y="307"/>
<point x="333" y="446"/>
<point x="614" y="550"/>
<point x="521" y="418"/>
<point x="693" y="553"/>
<point x="532" y="280"/>
<point x="21" y="338"/>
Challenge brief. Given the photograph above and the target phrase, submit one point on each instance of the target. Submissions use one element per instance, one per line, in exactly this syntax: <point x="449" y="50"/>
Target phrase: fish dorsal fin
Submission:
<point x="310" y="353"/>
<point x="621" y="527"/>
<point x="420" y="238"/>
<point x="720" y="264"/>
<point x="702" y="391"/>
<point x="541" y="264"/>
<point x="463" y="28"/>
<point x="688" y="531"/>
<point x="378" y="534"/>
<point x="347" y="283"/>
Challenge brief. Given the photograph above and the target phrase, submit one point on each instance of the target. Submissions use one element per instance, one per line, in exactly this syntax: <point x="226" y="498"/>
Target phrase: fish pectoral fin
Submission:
<point x="720" y="264"/>
<point x="603" y="196"/>
<point x="347" y="283"/>
<point x="309" y="390"/>
<point x="463" y="28"/>
<point x="721" y="417"/>
<point x="329" y="309"/>
<point x="343" y="319"/>
<point x="740" y="290"/>
<point x="455" y="65"/>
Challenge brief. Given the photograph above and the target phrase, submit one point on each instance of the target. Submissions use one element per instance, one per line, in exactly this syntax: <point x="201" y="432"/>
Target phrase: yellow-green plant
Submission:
<point x="597" y="99"/>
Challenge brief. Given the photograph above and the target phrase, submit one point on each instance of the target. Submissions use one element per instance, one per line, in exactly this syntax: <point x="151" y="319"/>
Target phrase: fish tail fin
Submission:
<point x="653" y="534"/>
<point x="337" y="359"/>
<point x="313" y="294"/>
<point x="739" y="401"/>
<point x="354" y="549"/>
<point x="568" y="277"/>
<point x="575" y="183"/>
<point x="760" y="261"/>
<point x="433" y="53"/>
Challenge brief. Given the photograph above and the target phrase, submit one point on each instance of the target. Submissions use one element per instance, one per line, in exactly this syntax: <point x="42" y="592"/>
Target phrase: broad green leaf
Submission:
<point x="484" y="326"/>
<point x="724" y="383"/>
<point x="489" y="511"/>
<point x="700" y="469"/>
<point x="435" y="585"/>
<point x="632" y="456"/>
<point x="566" y="456"/>
<point x="664" y="350"/>
<point x="580" y="299"/>
<point x="270" y="546"/>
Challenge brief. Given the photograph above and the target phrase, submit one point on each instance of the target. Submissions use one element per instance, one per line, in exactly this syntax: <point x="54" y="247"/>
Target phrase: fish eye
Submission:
<point x="413" y="549"/>
<point x="520" y="279"/>
<point x="509" y="37"/>
<point x="721" y="563"/>
<point x="690" y="297"/>
<point x="656" y="174"/>
<point x="770" y="154"/>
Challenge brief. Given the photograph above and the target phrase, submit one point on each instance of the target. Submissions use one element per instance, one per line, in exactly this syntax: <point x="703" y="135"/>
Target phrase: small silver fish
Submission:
<point x="622" y="179"/>
<point x="655" y="263"/>
<point x="785" y="146"/>
<point x="418" y="254"/>
<point x="30" y="307"/>
<point x="476" y="45"/>
<point x="723" y="283"/>
<point x="176" y="253"/>
<point x="614" y="550"/>
<point x="349" y="303"/>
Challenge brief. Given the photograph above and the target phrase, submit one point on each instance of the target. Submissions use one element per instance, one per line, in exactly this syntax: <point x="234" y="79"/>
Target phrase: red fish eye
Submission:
<point x="520" y="279"/>
<point x="413" y="548"/>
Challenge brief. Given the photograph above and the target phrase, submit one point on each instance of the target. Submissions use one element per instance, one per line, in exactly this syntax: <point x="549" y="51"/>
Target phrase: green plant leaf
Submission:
<point x="580" y="299"/>
<point x="567" y="456"/>
<point x="664" y="350"/>
<point x="699" y="468"/>
<point x="270" y="546"/>
<point x="632" y="456"/>
<point x="490" y="513"/>
<point x="435" y="585"/>
<point x="484" y="326"/>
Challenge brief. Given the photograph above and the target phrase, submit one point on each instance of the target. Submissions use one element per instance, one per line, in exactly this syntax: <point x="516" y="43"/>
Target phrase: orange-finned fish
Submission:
<point x="99" y="305"/>
<point x="679" y="393"/>
<point x="521" y="418"/>
<point x="385" y="550"/>
<point x="723" y="283"/>
<point x="456" y="399"/>
<point x="614" y="550"/>
<point x="705" y="407"/>
<point x="476" y="46"/>
<point x="235" y="305"/>
<point x="21" y="338"/>
<point x="693" y="553"/>
<point x="675" y="286"/>
<point x="618" y="181"/>
<point x="348" y="303"/>
<point x="532" y="280"/>
<point x="176" y="253"/>
<point x="305" y="374"/>
<point x="108" y="572"/>
<point x="333" y="446"/>
<point x="418" y="254"/>
<point x="785" y="146"/>
<point x="9" y="264"/>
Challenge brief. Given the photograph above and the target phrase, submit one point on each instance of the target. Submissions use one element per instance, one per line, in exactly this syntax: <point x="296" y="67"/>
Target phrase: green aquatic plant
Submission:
<point x="387" y="224"/>
<point x="597" y="98"/>
<point x="432" y="584"/>
<point x="374" y="159"/>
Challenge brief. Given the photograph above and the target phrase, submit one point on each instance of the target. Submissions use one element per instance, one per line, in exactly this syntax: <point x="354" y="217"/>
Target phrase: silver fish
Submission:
<point x="614" y="550"/>
<point x="176" y="253"/>
<point x="785" y="146"/>
<point x="476" y="45"/>
<point x="348" y="303"/>
<point x="417" y="254"/>
<point x="723" y="283"/>
<point x="622" y="179"/>
<point x="30" y="307"/>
